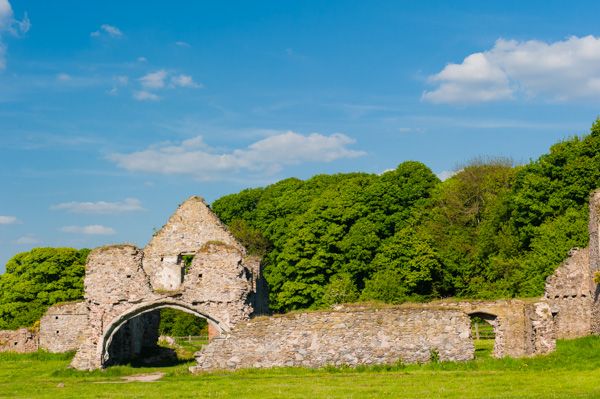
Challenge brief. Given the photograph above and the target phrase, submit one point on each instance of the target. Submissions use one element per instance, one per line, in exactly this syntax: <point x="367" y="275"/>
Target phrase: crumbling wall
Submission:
<point x="123" y="284"/>
<point x="594" y="254"/>
<point x="569" y="292"/>
<point x="21" y="341"/>
<point x="61" y="327"/>
<point x="192" y="226"/>
<point x="348" y="336"/>
<point x="522" y="328"/>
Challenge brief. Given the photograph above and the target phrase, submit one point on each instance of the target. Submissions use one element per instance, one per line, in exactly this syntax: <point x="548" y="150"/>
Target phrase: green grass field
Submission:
<point x="573" y="371"/>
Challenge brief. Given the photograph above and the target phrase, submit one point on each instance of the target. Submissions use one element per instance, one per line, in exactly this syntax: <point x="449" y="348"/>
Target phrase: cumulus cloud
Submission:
<point x="267" y="156"/>
<point x="8" y="220"/>
<point x="101" y="207"/>
<point x="184" y="81"/>
<point x="558" y="71"/>
<point x="143" y="95"/>
<point x="154" y="80"/>
<point x="27" y="240"/>
<point x="8" y="24"/>
<point x="94" y="229"/>
<point x="109" y="30"/>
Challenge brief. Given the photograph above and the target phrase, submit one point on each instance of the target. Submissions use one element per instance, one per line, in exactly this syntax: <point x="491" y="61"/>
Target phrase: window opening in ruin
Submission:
<point x="186" y="261"/>
<point x="163" y="337"/>
<point x="483" y="331"/>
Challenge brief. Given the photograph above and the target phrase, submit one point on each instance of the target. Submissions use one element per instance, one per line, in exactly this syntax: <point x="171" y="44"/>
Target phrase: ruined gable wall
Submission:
<point x="351" y="336"/>
<point x="61" y="327"/>
<point x="20" y="341"/>
<point x="192" y="226"/>
<point x="569" y="292"/>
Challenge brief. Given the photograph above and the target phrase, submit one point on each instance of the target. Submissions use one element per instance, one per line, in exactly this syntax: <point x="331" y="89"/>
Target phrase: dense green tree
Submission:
<point x="37" y="279"/>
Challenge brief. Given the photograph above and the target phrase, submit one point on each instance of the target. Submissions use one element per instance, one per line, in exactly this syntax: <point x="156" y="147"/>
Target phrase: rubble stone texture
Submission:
<point x="61" y="327"/>
<point x="569" y="292"/>
<point x="349" y="336"/>
<point x="521" y="328"/>
<point x="594" y="253"/>
<point x="20" y="341"/>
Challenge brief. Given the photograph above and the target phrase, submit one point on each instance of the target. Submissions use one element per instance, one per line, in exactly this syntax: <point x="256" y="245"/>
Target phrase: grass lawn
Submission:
<point x="573" y="371"/>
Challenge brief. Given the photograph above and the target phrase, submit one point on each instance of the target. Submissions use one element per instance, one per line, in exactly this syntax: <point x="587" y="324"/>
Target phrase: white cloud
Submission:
<point x="142" y="59"/>
<point x="184" y="81"/>
<point x="102" y="207"/>
<point x="446" y="174"/>
<point x="154" y="80"/>
<point x="27" y="240"/>
<point x="557" y="71"/>
<point x="182" y="44"/>
<point x="266" y="156"/>
<point x="110" y="30"/>
<point x="143" y="95"/>
<point x="8" y="220"/>
<point x="94" y="229"/>
<point x="8" y="24"/>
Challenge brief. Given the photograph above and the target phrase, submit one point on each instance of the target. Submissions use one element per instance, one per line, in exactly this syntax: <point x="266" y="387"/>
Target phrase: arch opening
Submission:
<point x="162" y="334"/>
<point x="484" y="329"/>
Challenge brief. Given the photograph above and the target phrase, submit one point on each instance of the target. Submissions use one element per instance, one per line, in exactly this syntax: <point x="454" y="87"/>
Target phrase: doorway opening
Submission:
<point x="483" y="331"/>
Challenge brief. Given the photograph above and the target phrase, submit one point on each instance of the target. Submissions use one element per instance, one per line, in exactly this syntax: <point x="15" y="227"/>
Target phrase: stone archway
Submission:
<point x="217" y="280"/>
<point x="115" y="326"/>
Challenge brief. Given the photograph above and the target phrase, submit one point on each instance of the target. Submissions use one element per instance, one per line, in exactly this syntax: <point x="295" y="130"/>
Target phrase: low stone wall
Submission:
<point x="21" y="341"/>
<point x="522" y="328"/>
<point x="61" y="327"/>
<point x="349" y="336"/>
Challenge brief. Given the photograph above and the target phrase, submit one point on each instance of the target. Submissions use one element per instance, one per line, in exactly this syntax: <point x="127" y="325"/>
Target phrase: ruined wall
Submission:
<point x="569" y="292"/>
<point x="192" y="226"/>
<point x="594" y="254"/>
<point x="522" y="328"/>
<point x="349" y="336"/>
<point x="21" y="341"/>
<point x="123" y="283"/>
<point x="61" y="327"/>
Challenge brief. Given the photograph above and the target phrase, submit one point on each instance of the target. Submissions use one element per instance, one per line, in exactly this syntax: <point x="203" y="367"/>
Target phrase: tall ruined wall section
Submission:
<point x="61" y="327"/>
<point x="569" y="292"/>
<point x="354" y="336"/>
<point x="594" y="253"/>
<point x="123" y="282"/>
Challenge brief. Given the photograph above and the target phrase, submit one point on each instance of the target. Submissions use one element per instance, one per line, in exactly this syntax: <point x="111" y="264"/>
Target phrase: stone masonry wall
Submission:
<point x="594" y="254"/>
<point x="61" y="327"/>
<point x="569" y="292"/>
<point x="21" y="341"/>
<point x="350" y="336"/>
<point x="522" y="328"/>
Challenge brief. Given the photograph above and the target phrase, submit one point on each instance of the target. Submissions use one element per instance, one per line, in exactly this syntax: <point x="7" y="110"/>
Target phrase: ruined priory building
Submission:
<point x="195" y="265"/>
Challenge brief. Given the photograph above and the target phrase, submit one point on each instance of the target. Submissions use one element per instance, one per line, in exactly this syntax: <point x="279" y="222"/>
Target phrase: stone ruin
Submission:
<point x="194" y="264"/>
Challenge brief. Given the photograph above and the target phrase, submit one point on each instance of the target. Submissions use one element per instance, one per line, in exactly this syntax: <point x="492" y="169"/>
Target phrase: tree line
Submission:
<point x="493" y="230"/>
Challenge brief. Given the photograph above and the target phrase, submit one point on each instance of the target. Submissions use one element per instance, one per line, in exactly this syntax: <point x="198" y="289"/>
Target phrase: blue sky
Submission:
<point x="112" y="113"/>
